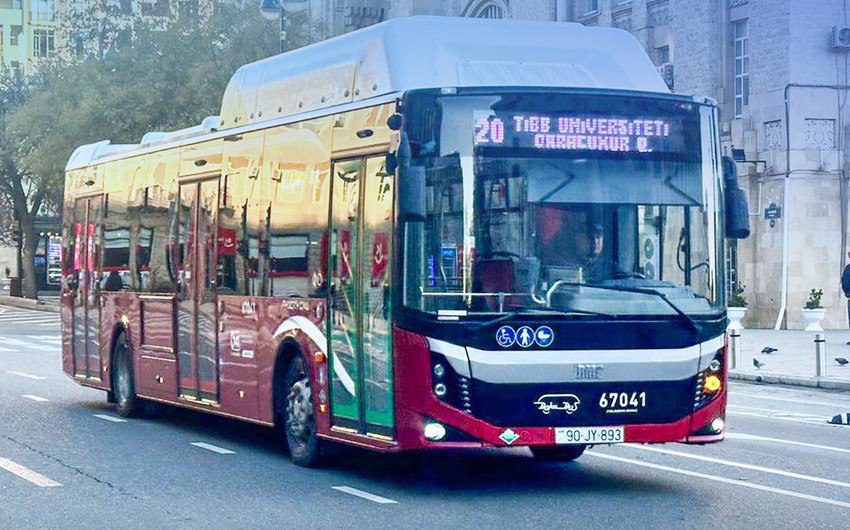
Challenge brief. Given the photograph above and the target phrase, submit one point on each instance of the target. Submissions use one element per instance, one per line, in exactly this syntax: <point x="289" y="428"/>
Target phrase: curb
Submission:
<point x="793" y="380"/>
<point x="25" y="303"/>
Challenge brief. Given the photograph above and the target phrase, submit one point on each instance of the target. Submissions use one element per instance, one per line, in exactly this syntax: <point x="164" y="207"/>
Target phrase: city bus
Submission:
<point x="431" y="233"/>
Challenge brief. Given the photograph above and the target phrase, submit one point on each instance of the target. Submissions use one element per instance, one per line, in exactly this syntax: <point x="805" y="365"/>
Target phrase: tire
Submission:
<point x="127" y="404"/>
<point x="298" y="416"/>
<point x="560" y="453"/>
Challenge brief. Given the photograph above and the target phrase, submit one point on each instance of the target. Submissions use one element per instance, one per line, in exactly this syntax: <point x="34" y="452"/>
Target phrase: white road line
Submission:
<point x="788" y="400"/>
<point x="724" y="480"/>
<point x="755" y="437"/>
<point x="107" y="417"/>
<point x="23" y="345"/>
<point x="818" y="421"/>
<point x="213" y="448"/>
<point x="51" y="338"/>
<point x="29" y="318"/>
<point x="364" y="495"/>
<point x="27" y="474"/>
<point x="35" y="398"/>
<point x="779" y="414"/>
<point x="28" y="376"/>
<point x="741" y="465"/>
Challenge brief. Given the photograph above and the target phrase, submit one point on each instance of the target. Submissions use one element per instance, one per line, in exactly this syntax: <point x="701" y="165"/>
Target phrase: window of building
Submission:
<point x="491" y="11"/>
<point x="742" y="65"/>
<point x="662" y="55"/>
<point x="42" y="43"/>
<point x="157" y="8"/>
<point x="591" y="6"/>
<point x="15" y="35"/>
<point x="42" y="11"/>
<point x="17" y="70"/>
<point x="16" y="4"/>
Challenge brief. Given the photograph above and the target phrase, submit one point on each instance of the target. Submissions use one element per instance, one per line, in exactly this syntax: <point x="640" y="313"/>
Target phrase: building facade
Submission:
<point x="27" y="33"/>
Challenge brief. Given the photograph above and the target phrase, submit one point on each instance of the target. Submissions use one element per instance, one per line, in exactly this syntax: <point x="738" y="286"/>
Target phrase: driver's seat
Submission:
<point x="492" y="276"/>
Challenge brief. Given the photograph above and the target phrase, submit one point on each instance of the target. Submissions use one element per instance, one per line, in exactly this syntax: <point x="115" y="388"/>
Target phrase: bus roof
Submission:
<point x="414" y="53"/>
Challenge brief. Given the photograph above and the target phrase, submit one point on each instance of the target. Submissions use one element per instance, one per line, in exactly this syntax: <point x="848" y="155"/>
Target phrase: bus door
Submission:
<point x="86" y="286"/>
<point x="359" y="321"/>
<point x="195" y="261"/>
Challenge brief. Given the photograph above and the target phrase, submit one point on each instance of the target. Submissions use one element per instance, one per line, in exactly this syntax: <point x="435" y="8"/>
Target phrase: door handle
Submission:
<point x="222" y="321"/>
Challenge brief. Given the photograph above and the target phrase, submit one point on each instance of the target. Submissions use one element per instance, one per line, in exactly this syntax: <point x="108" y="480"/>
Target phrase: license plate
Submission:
<point x="589" y="435"/>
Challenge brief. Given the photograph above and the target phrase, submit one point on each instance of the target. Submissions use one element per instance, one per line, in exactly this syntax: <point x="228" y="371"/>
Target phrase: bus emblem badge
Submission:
<point x="506" y="336"/>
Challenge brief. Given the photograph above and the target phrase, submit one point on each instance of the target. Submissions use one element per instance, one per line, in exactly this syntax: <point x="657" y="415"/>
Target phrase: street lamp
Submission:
<point x="277" y="9"/>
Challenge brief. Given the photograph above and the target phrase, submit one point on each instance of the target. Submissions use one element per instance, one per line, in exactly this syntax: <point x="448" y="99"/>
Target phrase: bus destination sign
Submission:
<point x="576" y="132"/>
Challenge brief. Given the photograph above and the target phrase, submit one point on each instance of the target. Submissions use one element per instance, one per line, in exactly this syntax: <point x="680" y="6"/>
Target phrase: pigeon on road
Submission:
<point x="842" y="361"/>
<point x="767" y="350"/>
<point x="757" y="363"/>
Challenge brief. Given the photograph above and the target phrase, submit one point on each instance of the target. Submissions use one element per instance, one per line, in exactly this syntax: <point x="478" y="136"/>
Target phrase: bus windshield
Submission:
<point x="581" y="203"/>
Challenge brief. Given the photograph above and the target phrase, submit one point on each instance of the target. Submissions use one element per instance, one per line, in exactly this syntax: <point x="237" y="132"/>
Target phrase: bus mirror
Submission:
<point x="391" y="163"/>
<point x="411" y="194"/>
<point x="395" y="122"/>
<point x="737" y="214"/>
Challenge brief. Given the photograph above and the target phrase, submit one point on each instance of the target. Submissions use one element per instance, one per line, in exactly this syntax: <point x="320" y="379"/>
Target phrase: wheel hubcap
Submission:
<point x="299" y="412"/>
<point x="123" y="380"/>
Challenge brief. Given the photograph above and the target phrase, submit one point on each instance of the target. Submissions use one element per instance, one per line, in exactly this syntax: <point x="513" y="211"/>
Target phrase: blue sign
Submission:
<point x="525" y="336"/>
<point x="506" y="336"/>
<point x="544" y="336"/>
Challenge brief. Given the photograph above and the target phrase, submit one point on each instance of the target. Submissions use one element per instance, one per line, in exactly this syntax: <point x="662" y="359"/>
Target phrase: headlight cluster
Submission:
<point x="448" y="385"/>
<point x="709" y="381"/>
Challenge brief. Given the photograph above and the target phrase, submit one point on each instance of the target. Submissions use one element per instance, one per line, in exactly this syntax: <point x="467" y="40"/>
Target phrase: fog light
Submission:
<point x="439" y="371"/>
<point x="714" y="366"/>
<point x="712" y="383"/>
<point x="440" y="389"/>
<point x="435" y="431"/>
<point x="717" y="425"/>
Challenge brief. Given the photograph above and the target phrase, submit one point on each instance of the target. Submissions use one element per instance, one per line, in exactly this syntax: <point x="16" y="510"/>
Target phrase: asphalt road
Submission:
<point x="67" y="461"/>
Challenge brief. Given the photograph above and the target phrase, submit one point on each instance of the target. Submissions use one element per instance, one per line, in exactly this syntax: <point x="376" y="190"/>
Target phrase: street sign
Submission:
<point x="772" y="212"/>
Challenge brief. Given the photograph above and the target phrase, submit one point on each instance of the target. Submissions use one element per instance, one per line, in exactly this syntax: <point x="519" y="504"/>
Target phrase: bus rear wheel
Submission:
<point x="299" y="416"/>
<point x="560" y="453"/>
<point x="123" y="386"/>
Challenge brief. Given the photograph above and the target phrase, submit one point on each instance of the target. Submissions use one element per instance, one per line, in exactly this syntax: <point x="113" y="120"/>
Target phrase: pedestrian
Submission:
<point x="845" y="285"/>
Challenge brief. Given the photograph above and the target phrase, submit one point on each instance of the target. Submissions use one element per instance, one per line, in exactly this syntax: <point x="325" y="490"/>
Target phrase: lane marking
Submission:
<point x="787" y="400"/>
<point x="28" y="376"/>
<point x="51" y="338"/>
<point x="364" y="495"/>
<point x="819" y="421"/>
<point x="35" y="398"/>
<point x="213" y="448"/>
<point x="107" y="417"/>
<point x="27" y="474"/>
<point x="755" y="437"/>
<point x="724" y="480"/>
<point x="27" y="345"/>
<point x="741" y="465"/>
<point x="777" y="414"/>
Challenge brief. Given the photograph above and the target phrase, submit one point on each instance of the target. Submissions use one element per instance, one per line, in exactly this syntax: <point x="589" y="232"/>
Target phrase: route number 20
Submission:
<point x="489" y="131"/>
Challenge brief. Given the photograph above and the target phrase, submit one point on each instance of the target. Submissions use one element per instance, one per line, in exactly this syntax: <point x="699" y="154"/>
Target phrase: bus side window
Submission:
<point x="116" y="245"/>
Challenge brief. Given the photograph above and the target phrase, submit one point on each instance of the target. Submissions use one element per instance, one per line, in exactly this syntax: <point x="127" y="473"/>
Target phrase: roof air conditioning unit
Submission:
<point x="841" y="38"/>
<point x="666" y="71"/>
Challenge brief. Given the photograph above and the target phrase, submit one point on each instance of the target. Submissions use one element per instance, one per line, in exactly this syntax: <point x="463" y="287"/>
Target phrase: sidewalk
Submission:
<point x="48" y="302"/>
<point x="794" y="362"/>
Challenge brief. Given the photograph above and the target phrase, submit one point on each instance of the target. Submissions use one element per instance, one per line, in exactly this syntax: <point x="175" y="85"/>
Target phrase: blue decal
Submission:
<point x="544" y="336"/>
<point x="525" y="336"/>
<point x="506" y="336"/>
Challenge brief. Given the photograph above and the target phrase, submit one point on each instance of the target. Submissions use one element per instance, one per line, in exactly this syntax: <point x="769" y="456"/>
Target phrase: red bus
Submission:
<point x="400" y="239"/>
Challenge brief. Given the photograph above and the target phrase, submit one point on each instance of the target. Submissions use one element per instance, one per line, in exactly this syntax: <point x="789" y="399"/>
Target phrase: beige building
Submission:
<point x="27" y="33"/>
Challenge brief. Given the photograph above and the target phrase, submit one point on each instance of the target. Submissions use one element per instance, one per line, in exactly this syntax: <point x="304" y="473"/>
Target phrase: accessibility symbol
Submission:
<point x="524" y="336"/>
<point x="544" y="336"/>
<point x="506" y="336"/>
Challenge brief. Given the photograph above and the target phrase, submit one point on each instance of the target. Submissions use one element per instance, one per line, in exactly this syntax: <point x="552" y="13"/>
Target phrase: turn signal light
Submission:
<point x="319" y="357"/>
<point x="712" y="383"/>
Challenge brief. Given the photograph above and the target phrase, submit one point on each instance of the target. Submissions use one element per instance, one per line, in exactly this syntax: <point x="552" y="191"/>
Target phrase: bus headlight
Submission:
<point x="717" y="425"/>
<point x="434" y="431"/>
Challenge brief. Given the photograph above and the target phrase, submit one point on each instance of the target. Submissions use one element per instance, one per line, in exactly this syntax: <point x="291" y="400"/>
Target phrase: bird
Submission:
<point x="757" y="363"/>
<point x="842" y="361"/>
<point x="767" y="350"/>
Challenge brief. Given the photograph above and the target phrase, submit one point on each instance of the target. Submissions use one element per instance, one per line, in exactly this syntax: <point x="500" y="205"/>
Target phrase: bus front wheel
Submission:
<point x="560" y="453"/>
<point x="299" y="416"/>
<point x="123" y="386"/>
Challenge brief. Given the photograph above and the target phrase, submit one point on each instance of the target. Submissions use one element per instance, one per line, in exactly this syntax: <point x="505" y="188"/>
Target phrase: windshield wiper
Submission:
<point x="530" y="310"/>
<point x="682" y="315"/>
